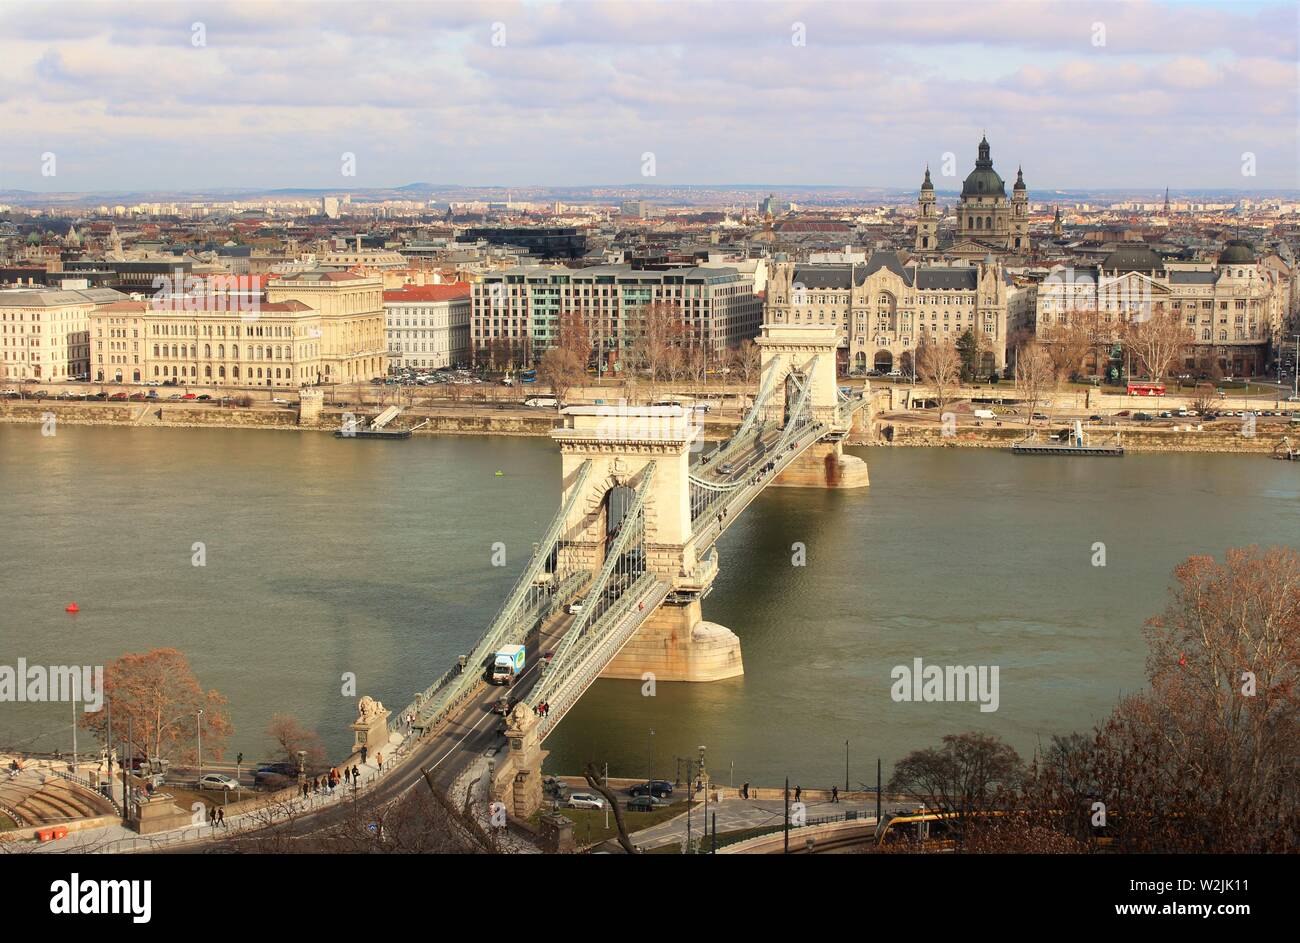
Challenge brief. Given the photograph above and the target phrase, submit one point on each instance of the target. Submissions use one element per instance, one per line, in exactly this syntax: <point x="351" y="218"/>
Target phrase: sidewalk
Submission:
<point x="118" y="839"/>
<point x="734" y="814"/>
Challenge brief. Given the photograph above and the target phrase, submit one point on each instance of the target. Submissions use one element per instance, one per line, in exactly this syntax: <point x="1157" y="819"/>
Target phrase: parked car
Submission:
<point x="137" y="397"/>
<point x="1094" y="418"/>
<point x="1142" y="417"/>
<point x="190" y="396"/>
<point x="1040" y="417"/>
<point x="658" y="788"/>
<point x="585" y="800"/>
<point x="279" y="402"/>
<point x="204" y="396"/>
<point x="646" y="804"/>
<point x="119" y="397"/>
<point x="275" y="774"/>
<point x="218" y="781"/>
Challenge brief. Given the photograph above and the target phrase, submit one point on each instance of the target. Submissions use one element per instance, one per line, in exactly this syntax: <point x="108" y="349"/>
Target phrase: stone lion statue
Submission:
<point x="368" y="707"/>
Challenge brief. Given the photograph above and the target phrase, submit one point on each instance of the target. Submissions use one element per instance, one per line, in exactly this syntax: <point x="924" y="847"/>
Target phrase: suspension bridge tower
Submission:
<point x="805" y="353"/>
<point x="624" y="444"/>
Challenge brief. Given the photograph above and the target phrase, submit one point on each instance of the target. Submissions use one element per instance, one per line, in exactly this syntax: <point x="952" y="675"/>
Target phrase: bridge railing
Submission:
<point x="525" y="604"/>
<point x="561" y="690"/>
<point x="597" y="603"/>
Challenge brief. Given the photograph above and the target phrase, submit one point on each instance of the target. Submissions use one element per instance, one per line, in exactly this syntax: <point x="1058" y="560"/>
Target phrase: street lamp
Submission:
<point x="846" y="766"/>
<point x="651" y="769"/>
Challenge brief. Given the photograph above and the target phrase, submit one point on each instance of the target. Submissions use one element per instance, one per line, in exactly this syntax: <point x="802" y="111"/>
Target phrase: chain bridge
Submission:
<point x="613" y="588"/>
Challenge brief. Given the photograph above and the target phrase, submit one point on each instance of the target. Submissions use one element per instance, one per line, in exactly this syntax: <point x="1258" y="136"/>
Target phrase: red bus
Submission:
<point x="1146" y="389"/>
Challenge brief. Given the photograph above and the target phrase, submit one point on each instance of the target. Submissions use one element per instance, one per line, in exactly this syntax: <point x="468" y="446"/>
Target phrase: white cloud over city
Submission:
<point x="579" y="91"/>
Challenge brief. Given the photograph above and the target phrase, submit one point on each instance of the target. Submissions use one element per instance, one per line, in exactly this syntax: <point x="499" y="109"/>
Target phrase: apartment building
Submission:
<point x="520" y="308"/>
<point x="428" y="325"/>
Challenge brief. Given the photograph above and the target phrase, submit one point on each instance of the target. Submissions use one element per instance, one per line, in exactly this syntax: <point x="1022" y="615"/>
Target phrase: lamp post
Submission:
<point x="198" y="730"/>
<point x="650" y="770"/>
<point x="846" y="766"/>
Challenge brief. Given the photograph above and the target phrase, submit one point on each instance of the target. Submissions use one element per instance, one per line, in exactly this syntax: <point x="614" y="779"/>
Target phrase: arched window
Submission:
<point x="234" y="372"/>
<point x="988" y="222"/>
<point x="221" y="351"/>
<point x="207" y="371"/>
<point x="221" y="373"/>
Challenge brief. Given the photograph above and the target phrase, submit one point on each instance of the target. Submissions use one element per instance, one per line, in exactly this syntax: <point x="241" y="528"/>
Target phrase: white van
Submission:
<point x="542" y="402"/>
<point x="985" y="414"/>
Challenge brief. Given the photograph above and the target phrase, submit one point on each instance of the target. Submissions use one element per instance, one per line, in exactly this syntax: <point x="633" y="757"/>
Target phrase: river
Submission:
<point x="326" y="557"/>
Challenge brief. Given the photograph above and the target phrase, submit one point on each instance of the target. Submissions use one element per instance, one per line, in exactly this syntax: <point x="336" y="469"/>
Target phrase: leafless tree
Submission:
<point x="938" y="366"/>
<point x="1035" y="375"/>
<point x="1156" y="341"/>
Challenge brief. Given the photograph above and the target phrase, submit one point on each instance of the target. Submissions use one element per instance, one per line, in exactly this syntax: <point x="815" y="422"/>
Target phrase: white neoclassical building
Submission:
<point x="428" y="325"/>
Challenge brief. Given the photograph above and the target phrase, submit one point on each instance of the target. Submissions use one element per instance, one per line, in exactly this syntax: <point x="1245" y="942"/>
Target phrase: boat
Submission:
<point x="1075" y="444"/>
<point x="373" y="431"/>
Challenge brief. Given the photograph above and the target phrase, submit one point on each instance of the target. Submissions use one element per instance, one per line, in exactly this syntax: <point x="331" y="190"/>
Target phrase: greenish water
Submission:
<point x="328" y="556"/>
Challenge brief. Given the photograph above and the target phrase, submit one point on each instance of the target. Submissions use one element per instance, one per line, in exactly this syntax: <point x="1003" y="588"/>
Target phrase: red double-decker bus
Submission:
<point x="1146" y="389"/>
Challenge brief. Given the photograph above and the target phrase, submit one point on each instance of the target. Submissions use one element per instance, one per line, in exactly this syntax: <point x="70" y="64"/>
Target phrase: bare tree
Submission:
<point x="1157" y="341"/>
<point x="658" y="330"/>
<point x="745" y="361"/>
<point x="1035" y="375"/>
<point x="938" y="366"/>
<point x="971" y="773"/>
<point x="1069" y="341"/>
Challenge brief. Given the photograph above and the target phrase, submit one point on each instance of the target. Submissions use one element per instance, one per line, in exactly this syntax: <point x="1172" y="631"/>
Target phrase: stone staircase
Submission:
<point x="35" y="799"/>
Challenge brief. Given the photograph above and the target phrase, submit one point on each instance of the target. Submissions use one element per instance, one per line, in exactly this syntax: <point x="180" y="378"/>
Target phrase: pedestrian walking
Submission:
<point x="744" y="791"/>
<point x="379" y="760"/>
<point x="356" y="775"/>
<point x="835" y="794"/>
<point x="365" y="751"/>
<point x="798" y="791"/>
<point x="221" y="816"/>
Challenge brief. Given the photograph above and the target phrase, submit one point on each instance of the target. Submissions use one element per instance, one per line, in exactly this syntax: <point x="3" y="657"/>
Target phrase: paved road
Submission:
<point x="735" y="814"/>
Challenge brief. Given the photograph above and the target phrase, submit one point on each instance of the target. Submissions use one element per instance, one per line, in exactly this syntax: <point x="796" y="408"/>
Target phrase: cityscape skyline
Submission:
<point x="516" y="94"/>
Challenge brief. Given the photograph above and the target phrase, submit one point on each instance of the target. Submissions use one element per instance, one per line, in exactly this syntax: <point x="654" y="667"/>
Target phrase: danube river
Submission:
<point x="326" y="557"/>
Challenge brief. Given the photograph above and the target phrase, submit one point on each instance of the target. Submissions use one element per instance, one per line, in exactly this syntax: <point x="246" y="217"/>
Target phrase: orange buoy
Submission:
<point x="72" y="607"/>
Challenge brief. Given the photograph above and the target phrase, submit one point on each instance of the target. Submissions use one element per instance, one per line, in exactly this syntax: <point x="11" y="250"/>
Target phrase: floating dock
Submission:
<point x="1076" y="444"/>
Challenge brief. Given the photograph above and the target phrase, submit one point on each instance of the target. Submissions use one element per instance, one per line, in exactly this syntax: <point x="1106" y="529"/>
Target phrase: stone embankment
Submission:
<point x="1178" y="438"/>
<point x="462" y="420"/>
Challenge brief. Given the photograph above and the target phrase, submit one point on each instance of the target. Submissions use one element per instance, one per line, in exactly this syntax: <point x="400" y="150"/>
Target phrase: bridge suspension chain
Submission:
<point x="530" y="600"/>
<point x="625" y="564"/>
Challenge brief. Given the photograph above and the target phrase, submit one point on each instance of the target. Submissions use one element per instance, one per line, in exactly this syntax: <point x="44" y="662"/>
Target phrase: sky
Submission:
<point x="1082" y="94"/>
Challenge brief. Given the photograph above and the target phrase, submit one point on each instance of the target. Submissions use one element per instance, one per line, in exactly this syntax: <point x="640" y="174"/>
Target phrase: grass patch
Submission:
<point x="589" y="824"/>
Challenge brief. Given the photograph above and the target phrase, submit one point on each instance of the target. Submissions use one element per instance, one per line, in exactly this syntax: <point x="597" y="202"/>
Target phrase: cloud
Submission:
<point x="579" y="90"/>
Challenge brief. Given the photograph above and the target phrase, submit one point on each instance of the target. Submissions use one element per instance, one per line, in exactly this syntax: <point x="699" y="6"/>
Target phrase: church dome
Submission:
<point x="984" y="180"/>
<point x="1237" y="252"/>
<point x="926" y="184"/>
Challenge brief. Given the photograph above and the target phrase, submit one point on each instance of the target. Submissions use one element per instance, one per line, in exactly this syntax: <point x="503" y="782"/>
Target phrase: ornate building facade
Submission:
<point x="883" y="308"/>
<point x="1234" y="308"/>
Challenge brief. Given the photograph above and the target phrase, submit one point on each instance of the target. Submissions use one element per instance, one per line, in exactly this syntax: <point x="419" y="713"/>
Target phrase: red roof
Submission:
<point x="416" y="293"/>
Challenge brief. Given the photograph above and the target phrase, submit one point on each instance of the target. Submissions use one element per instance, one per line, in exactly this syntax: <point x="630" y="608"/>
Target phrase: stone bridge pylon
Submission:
<point x="808" y="352"/>
<point x="674" y="643"/>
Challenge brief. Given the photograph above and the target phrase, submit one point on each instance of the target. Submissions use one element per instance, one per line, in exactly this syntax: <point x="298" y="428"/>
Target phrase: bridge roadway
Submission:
<point x="446" y="753"/>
